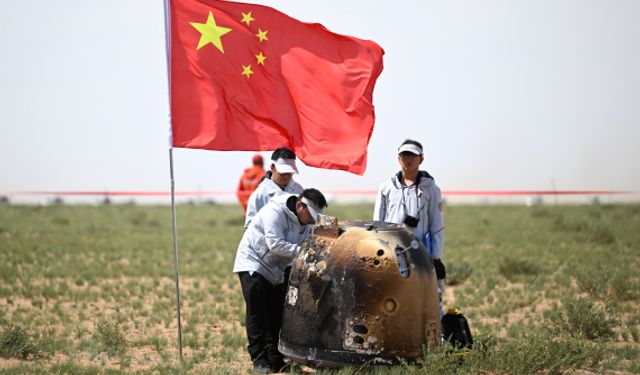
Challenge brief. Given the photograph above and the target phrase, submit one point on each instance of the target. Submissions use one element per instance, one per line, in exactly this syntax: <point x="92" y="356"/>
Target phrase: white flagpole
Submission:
<point x="167" y="28"/>
<point x="175" y="251"/>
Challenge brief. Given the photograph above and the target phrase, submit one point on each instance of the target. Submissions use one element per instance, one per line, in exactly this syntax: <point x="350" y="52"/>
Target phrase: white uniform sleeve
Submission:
<point x="274" y="237"/>
<point x="436" y="223"/>
<point x="380" y="209"/>
<point x="257" y="200"/>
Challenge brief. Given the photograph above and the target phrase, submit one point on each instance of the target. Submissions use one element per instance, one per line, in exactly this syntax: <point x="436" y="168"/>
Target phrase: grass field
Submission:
<point x="546" y="289"/>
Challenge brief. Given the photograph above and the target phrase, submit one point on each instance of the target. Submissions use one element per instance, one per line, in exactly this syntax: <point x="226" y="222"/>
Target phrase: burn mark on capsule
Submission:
<point x="359" y="339"/>
<point x="360" y="329"/>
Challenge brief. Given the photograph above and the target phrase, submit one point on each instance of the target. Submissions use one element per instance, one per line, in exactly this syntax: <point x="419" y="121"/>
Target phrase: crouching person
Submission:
<point x="272" y="239"/>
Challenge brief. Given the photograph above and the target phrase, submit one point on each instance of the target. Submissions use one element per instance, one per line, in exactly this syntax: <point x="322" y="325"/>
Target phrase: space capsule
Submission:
<point x="360" y="292"/>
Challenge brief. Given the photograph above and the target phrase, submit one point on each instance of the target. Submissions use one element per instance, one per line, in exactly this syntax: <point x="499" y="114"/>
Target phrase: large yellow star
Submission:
<point x="260" y="57"/>
<point x="262" y="35"/>
<point x="246" y="70"/>
<point x="246" y="18"/>
<point x="211" y="33"/>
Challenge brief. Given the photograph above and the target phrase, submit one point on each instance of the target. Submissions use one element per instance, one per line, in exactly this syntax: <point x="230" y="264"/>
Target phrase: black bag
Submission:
<point x="456" y="329"/>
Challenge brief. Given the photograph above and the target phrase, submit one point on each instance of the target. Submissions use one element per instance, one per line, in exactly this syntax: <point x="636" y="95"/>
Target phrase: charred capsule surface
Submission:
<point x="360" y="291"/>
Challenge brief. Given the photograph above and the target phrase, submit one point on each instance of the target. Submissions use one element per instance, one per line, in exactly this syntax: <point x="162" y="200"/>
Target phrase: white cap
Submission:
<point x="313" y="209"/>
<point x="285" y="165"/>
<point x="409" y="147"/>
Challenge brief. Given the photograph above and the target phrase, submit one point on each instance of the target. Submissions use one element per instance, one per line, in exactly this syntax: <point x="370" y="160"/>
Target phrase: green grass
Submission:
<point x="87" y="290"/>
<point x="16" y="342"/>
<point x="110" y="338"/>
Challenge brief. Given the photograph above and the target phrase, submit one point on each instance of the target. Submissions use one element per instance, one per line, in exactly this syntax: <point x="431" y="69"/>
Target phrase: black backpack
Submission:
<point x="456" y="329"/>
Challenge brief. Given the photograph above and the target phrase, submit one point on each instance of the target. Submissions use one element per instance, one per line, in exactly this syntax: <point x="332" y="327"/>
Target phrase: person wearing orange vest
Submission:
<point x="250" y="180"/>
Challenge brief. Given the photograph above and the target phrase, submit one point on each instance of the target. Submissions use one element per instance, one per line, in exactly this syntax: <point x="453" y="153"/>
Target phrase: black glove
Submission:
<point x="441" y="272"/>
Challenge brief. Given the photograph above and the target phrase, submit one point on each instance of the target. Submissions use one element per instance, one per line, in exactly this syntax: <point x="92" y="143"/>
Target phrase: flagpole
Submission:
<point x="167" y="29"/>
<point x="175" y="251"/>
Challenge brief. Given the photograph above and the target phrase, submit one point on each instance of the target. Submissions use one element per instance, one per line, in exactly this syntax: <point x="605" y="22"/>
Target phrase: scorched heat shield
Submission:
<point x="360" y="291"/>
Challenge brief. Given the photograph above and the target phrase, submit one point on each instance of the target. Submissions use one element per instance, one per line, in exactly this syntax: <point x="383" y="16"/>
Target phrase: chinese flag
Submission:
<point x="247" y="77"/>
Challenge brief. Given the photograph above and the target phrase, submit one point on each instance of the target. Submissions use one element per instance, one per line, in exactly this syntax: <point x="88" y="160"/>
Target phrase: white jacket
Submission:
<point x="271" y="241"/>
<point x="263" y="194"/>
<point x="423" y="201"/>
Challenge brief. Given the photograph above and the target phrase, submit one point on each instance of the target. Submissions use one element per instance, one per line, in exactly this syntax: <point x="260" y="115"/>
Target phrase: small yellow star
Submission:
<point x="260" y="57"/>
<point x="211" y="33"/>
<point x="262" y="35"/>
<point x="246" y="18"/>
<point x="246" y="70"/>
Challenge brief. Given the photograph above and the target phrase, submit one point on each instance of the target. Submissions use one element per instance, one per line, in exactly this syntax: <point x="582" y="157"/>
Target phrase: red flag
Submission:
<point x="247" y="77"/>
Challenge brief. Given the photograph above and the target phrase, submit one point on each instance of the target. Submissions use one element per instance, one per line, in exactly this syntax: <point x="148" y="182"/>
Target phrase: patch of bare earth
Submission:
<point x="141" y="325"/>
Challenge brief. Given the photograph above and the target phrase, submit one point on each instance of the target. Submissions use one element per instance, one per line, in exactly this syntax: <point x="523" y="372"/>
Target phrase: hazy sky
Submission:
<point x="503" y="94"/>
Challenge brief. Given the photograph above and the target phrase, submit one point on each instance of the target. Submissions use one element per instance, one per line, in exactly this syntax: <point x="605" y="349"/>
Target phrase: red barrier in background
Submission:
<point x="328" y="192"/>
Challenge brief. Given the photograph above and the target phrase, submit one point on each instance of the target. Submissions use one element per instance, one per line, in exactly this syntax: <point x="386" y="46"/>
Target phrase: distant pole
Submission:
<point x="175" y="251"/>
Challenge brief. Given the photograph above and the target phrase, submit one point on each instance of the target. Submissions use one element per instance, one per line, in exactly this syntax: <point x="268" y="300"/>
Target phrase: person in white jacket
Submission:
<point x="271" y="241"/>
<point x="411" y="197"/>
<point x="278" y="180"/>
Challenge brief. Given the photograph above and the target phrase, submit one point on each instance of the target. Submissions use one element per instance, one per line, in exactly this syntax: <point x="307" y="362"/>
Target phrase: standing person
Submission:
<point x="278" y="180"/>
<point x="250" y="180"/>
<point x="270" y="242"/>
<point x="411" y="197"/>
